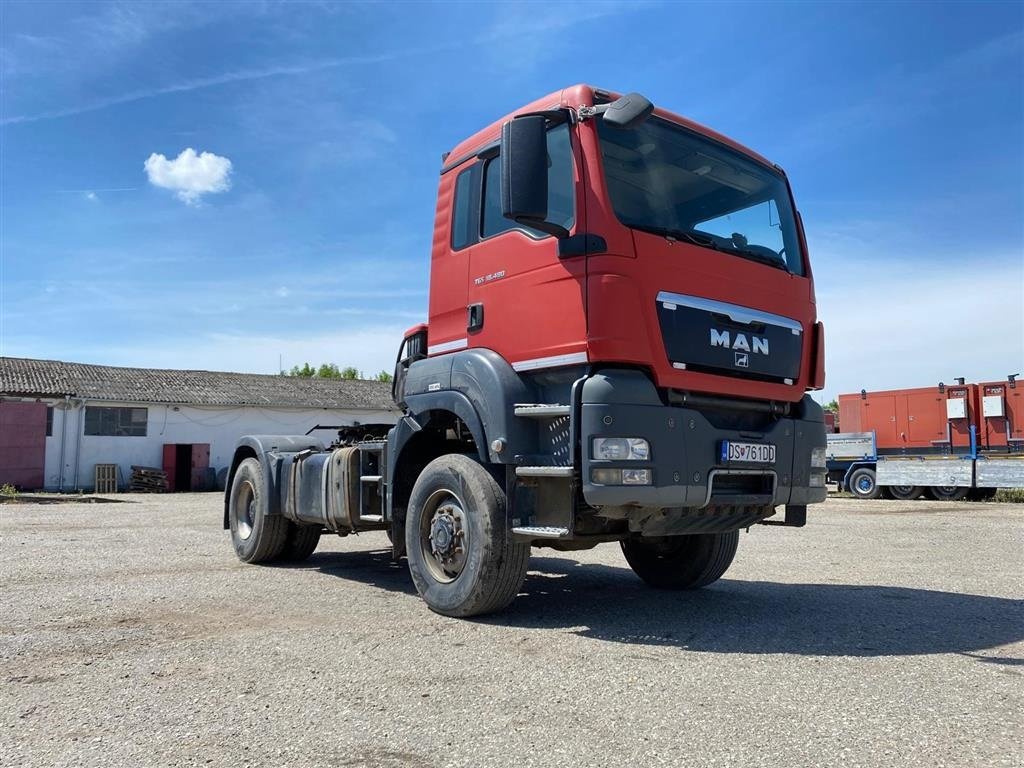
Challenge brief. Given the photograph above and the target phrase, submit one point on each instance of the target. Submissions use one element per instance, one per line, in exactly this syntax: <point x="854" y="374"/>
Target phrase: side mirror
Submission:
<point x="628" y="111"/>
<point x="524" y="174"/>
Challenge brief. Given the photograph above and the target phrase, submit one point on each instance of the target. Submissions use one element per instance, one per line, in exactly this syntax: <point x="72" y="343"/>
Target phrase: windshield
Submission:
<point x="666" y="179"/>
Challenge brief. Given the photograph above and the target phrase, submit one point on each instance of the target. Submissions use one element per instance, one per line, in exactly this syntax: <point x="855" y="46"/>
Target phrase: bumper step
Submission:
<point x="541" y="531"/>
<point x="541" y="411"/>
<point x="544" y="471"/>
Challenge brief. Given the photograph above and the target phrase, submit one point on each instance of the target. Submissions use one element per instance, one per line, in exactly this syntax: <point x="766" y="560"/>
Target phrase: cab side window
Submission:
<point x="462" y="218"/>
<point x="561" y="193"/>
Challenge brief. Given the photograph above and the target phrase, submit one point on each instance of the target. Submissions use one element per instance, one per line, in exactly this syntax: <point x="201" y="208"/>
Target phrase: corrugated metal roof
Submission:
<point x="25" y="377"/>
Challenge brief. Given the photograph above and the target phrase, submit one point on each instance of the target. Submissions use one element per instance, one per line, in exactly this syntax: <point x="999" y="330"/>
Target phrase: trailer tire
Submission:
<point x="257" y="536"/>
<point x="863" y="484"/>
<point x="461" y="554"/>
<point x="905" y="492"/>
<point x="681" y="562"/>
<point x="947" y="492"/>
<point x="301" y="542"/>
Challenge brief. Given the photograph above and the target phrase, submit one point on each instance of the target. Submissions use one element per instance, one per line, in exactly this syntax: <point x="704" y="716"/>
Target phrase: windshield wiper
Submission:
<point x="682" y="234"/>
<point x="706" y="241"/>
<point x="778" y="263"/>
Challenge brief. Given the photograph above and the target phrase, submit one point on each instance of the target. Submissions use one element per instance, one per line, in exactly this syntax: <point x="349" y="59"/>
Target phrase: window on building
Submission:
<point x="462" y="218"/>
<point x="49" y="421"/>
<point x="101" y="421"/>
<point x="561" y="192"/>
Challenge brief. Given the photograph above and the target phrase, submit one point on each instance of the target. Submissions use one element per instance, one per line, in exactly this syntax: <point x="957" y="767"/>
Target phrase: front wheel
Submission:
<point x="863" y="485"/>
<point x="461" y="554"/>
<point x="681" y="562"/>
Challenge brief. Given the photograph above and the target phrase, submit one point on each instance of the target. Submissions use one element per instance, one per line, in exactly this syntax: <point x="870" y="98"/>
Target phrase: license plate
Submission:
<point x="754" y="453"/>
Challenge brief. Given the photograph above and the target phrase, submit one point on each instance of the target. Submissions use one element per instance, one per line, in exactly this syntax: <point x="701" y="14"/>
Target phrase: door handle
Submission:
<point x="476" y="317"/>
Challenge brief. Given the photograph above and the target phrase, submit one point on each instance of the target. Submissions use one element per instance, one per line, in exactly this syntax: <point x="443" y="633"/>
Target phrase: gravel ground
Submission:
<point x="884" y="633"/>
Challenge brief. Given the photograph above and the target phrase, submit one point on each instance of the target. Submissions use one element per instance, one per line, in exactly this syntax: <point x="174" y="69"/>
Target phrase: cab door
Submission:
<point x="525" y="301"/>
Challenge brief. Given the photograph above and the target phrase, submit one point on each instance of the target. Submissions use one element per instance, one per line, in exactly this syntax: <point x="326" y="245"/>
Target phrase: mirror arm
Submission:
<point x="588" y="113"/>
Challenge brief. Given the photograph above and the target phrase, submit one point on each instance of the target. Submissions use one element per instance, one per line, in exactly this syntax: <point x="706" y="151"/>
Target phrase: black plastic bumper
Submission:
<point x="685" y="460"/>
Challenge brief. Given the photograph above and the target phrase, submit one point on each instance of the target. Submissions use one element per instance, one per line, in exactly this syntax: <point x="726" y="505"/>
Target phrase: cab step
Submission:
<point x="544" y="471"/>
<point x="541" y="411"/>
<point x="541" y="531"/>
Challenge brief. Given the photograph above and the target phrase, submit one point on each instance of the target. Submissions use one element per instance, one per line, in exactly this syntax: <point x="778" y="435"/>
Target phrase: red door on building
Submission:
<point x="186" y="466"/>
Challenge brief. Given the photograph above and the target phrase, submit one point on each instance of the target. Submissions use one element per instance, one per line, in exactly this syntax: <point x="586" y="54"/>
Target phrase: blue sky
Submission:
<point x="901" y="127"/>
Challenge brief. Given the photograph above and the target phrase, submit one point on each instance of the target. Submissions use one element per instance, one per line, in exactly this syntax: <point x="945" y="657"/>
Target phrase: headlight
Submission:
<point x="610" y="476"/>
<point x="621" y="449"/>
<point x="818" y="457"/>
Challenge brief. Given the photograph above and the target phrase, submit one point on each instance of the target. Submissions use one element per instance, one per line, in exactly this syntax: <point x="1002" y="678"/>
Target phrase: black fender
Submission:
<point x="485" y="381"/>
<point x="268" y="449"/>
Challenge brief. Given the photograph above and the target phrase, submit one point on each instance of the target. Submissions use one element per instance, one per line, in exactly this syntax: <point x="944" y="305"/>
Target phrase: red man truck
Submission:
<point x="621" y="335"/>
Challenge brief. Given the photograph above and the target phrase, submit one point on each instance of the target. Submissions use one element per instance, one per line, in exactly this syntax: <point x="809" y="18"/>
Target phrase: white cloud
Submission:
<point x="91" y="196"/>
<point x="891" y="323"/>
<point x="190" y="175"/>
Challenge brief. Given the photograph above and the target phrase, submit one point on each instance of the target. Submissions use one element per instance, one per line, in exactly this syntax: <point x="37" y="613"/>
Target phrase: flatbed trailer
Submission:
<point x="946" y="442"/>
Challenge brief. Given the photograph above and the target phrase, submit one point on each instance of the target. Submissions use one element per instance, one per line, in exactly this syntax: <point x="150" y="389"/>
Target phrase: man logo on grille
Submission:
<point x="742" y="360"/>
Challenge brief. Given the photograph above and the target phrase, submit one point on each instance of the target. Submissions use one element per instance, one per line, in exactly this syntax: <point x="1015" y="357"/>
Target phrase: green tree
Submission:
<point x="833" y="406"/>
<point x="351" y="373"/>
<point x="385" y="377"/>
<point x="305" y="372"/>
<point x="328" y="371"/>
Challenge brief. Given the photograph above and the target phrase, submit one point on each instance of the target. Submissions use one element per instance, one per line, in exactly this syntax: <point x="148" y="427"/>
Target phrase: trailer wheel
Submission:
<point x="681" y="562"/>
<point x="301" y="542"/>
<point x="461" y="554"/>
<point x="947" y="492"/>
<point x="905" y="492"/>
<point x="863" y="485"/>
<point x="258" y="537"/>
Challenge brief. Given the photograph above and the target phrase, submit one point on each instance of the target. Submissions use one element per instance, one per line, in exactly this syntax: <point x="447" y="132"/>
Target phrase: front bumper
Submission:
<point x="685" y="444"/>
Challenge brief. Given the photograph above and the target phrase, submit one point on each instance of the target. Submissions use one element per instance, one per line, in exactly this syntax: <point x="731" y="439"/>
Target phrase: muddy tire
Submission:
<point x="301" y="542"/>
<point x="681" y="562"/>
<point x="863" y="484"/>
<point x="461" y="554"/>
<point x="257" y="537"/>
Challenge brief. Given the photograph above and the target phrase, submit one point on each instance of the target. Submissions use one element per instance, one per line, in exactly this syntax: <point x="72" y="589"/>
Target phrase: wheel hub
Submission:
<point x="442" y="534"/>
<point x="445" y="540"/>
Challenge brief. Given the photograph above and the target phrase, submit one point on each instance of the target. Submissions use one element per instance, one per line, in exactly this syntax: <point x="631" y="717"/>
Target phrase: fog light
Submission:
<point x="817" y="480"/>
<point x="606" y="476"/>
<point x="612" y="476"/>
<point x="621" y="449"/>
<point x="818" y="457"/>
<point x="636" y="477"/>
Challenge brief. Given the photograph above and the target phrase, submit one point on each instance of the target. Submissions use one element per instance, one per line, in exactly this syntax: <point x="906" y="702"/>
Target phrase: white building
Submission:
<point x="59" y="420"/>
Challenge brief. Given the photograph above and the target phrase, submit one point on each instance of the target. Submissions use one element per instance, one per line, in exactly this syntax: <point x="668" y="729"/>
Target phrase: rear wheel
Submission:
<point x="461" y="554"/>
<point x="258" y="537"/>
<point x="301" y="542"/>
<point x="947" y="492"/>
<point x="863" y="485"/>
<point x="681" y="562"/>
<point x="905" y="492"/>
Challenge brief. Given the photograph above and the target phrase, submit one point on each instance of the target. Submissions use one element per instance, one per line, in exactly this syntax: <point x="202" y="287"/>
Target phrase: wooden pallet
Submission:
<point x="105" y="478"/>
<point x="148" y="480"/>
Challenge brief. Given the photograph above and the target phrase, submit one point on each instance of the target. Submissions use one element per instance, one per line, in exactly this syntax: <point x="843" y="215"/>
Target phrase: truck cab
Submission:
<point x="620" y="340"/>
